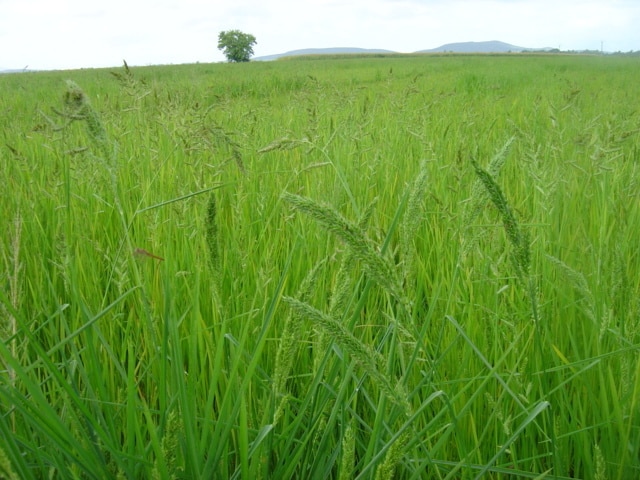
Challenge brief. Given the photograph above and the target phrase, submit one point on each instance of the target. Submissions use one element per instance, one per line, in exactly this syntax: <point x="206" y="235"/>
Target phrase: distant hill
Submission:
<point x="493" y="46"/>
<point x="321" y="51"/>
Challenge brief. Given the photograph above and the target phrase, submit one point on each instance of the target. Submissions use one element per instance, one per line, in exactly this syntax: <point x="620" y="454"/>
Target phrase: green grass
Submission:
<point x="395" y="267"/>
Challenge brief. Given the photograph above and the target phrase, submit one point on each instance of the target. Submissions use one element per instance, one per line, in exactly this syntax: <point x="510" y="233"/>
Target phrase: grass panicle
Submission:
<point x="284" y="143"/>
<point x="581" y="286"/>
<point x="363" y="354"/>
<point x="290" y="340"/>
<point x="389" y="466"/>
<point x="480" y="197"/>
<point x="133" y="86"/>
<point x="413" y="217"/>
<point x="342" y="293"/>
<point x="347" y="462"/>
<point x="78" y="107"/>
<point x="518" y="238"/>
<point x="379" y="268"/>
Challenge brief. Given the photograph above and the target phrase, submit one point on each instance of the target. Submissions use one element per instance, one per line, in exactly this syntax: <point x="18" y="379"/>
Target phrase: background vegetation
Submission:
<point x="421" y="267"/>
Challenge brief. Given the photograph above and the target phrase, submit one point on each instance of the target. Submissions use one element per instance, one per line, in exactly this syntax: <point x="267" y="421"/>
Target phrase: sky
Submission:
<point x="70" y="34"/>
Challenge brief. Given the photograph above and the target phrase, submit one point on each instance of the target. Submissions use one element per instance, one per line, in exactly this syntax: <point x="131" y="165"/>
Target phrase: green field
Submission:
<point x="404" y="267"/>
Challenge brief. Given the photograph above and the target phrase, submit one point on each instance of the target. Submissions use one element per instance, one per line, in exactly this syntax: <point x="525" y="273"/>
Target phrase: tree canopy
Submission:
<point x="236" y="45"/>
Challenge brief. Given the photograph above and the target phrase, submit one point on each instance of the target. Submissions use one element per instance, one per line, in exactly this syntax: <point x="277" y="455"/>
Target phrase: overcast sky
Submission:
<point x="64" y="34"/>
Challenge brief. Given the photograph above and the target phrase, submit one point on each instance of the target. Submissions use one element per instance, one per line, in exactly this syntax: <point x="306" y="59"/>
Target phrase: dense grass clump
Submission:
<point x="394" y="267"/>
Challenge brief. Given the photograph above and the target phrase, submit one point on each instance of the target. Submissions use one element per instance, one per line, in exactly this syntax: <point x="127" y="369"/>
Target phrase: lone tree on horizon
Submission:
<point x="236" y="46"/>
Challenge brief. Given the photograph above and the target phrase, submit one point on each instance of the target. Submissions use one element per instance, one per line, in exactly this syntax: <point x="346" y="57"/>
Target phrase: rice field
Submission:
<point x="343" y="268"/>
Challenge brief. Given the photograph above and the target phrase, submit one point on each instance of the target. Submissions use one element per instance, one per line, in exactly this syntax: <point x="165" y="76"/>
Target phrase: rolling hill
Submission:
<point x="493" y="46"/>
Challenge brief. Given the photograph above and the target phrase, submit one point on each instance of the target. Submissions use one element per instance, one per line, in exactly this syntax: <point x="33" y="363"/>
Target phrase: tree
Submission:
<point x="236" y="46"/>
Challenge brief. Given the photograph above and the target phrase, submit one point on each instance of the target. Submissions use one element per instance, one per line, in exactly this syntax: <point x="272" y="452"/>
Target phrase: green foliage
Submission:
<point x="236" y="45"/>
<point x="353" y="251"/>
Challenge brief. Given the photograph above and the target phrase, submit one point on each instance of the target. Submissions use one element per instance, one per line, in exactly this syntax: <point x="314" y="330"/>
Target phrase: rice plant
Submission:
<point x="314" y="268"/>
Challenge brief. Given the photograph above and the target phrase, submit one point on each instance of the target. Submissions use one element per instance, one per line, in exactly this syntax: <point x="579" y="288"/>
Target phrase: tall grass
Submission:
<point x="399" y="267"/>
